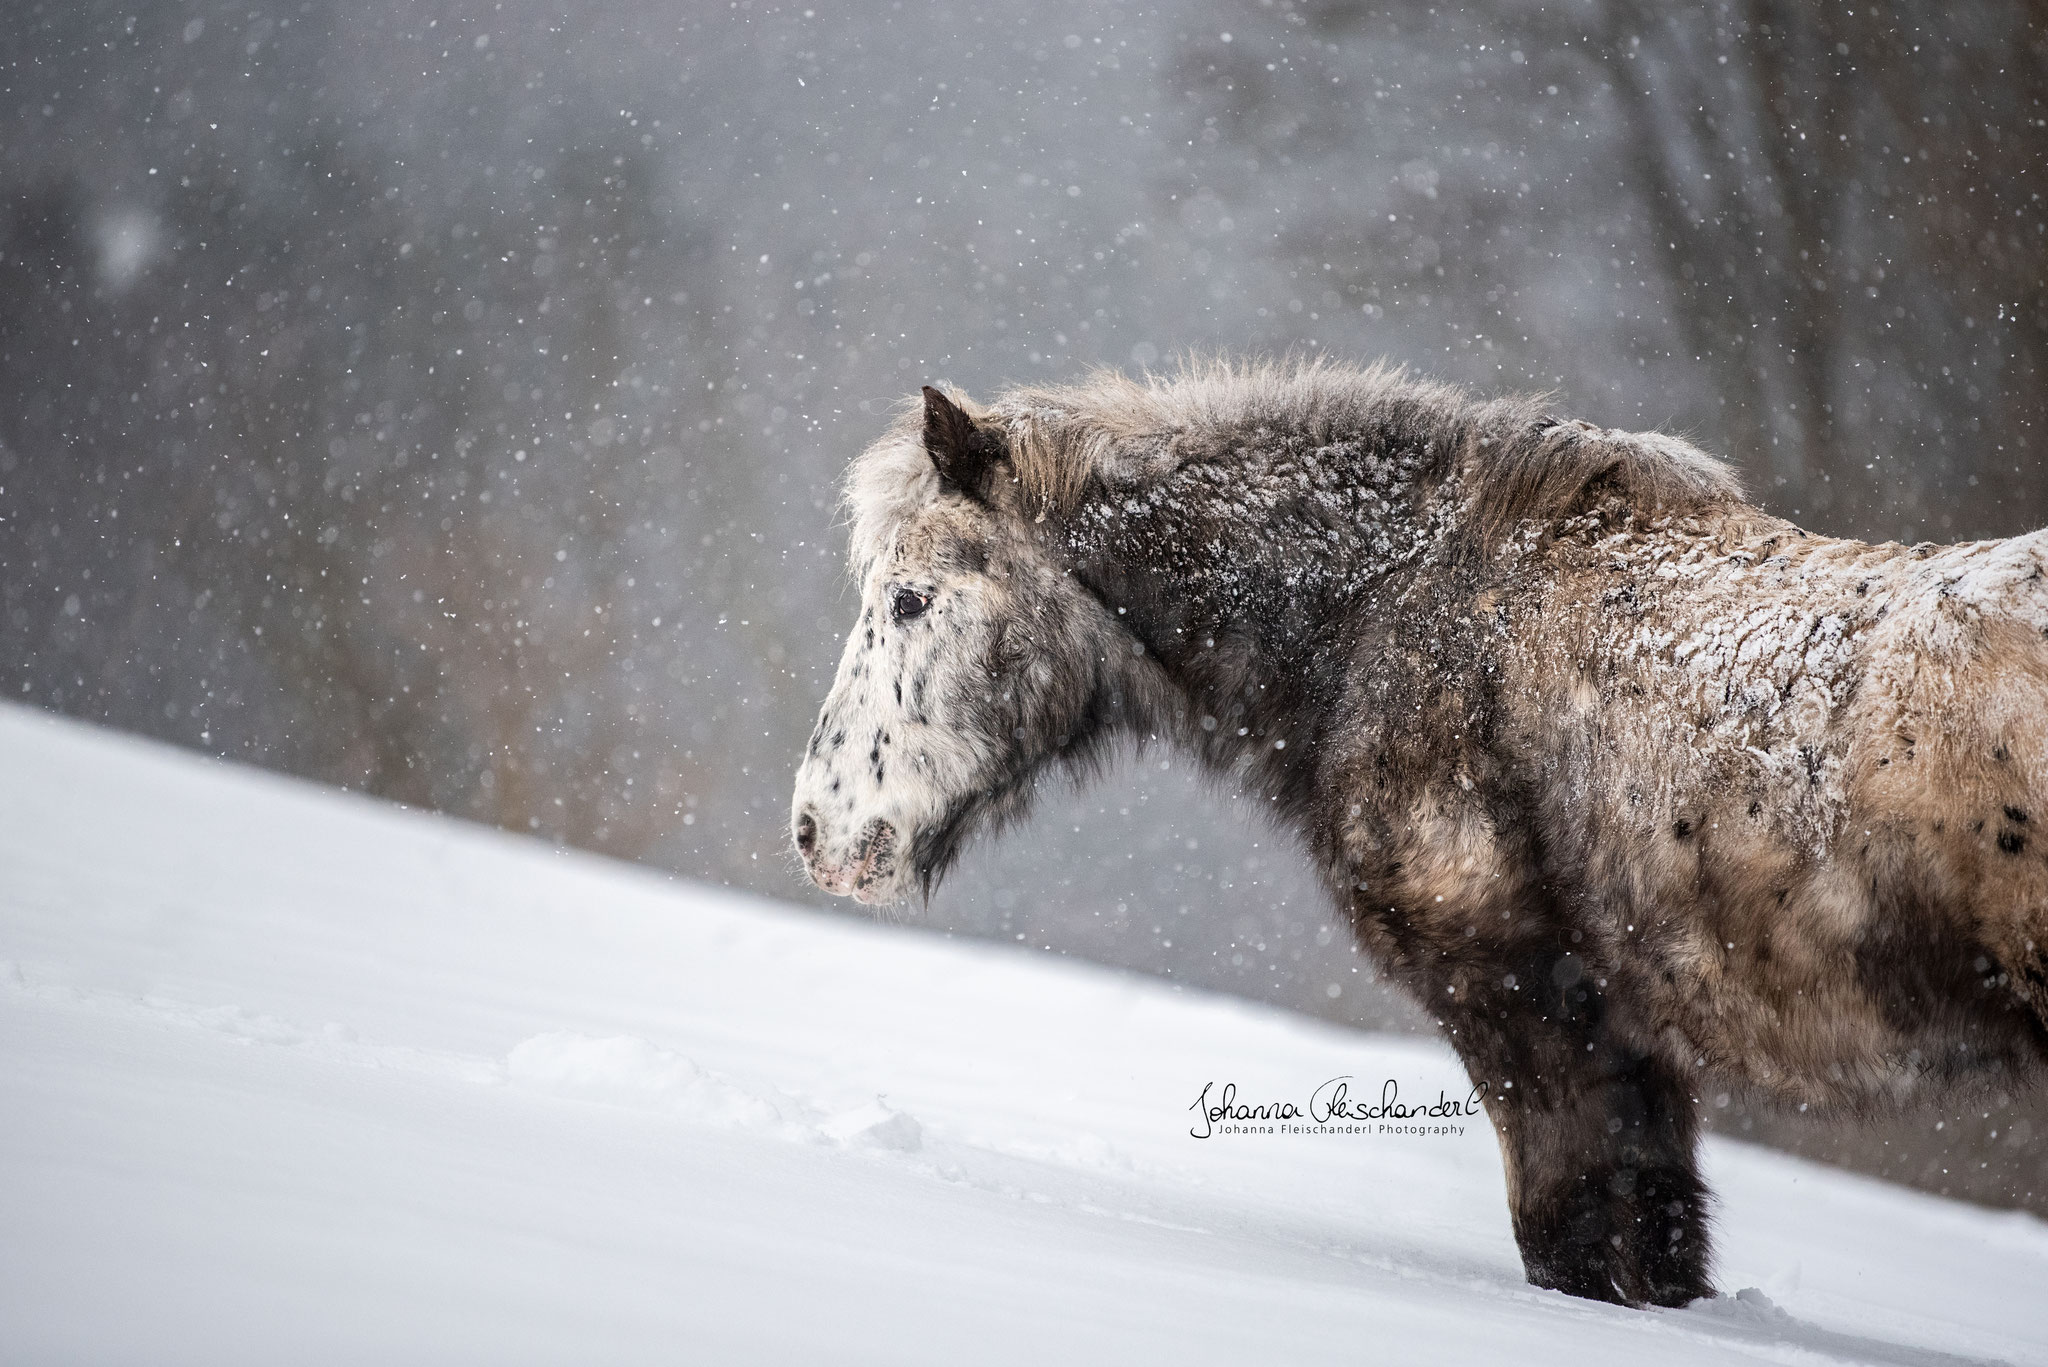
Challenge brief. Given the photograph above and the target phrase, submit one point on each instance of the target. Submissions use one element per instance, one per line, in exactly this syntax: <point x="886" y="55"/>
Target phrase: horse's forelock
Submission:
<point x="888" y="482"/>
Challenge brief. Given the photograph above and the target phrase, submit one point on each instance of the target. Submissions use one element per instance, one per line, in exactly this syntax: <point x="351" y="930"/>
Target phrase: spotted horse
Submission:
<point x="1629" y="783"/>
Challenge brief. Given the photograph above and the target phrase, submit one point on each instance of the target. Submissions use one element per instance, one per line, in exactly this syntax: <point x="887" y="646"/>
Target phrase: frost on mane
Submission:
<point x="1626" y="781"/>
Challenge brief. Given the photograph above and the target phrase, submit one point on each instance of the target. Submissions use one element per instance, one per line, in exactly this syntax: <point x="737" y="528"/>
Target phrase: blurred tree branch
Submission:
<point x="1782" y="152"/>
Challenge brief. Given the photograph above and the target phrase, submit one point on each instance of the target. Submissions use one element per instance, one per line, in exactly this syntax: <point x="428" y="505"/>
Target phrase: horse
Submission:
<point x="1626" y="781"/>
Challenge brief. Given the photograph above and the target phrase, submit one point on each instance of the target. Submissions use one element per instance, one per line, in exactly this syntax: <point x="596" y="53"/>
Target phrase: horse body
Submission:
<point x="1624" y="780"/>
<point x="1794" y="779"/>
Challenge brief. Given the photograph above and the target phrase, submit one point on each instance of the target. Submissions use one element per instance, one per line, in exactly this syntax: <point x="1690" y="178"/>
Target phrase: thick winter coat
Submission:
<point x="1626" y="781"/>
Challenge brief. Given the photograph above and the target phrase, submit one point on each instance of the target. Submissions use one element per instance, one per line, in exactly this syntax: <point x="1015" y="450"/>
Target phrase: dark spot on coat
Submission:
<point x="2016" y="816"/>
<point x="2012" y="842"/>
<point x="970" y="555"/>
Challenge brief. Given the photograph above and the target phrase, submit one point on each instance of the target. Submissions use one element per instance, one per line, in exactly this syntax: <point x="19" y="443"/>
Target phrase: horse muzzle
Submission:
<point x="864" y="870"/>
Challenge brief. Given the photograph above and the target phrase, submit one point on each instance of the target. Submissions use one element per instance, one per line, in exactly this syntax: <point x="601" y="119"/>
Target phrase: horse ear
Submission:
<point x="961" y="452"/>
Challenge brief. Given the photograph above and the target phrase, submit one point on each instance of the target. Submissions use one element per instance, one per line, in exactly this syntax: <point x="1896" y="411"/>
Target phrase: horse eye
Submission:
<point x="908" y="603"/>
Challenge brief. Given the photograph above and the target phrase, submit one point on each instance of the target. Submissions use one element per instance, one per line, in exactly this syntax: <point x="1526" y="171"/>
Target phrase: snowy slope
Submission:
<point x="290" y="1076"/>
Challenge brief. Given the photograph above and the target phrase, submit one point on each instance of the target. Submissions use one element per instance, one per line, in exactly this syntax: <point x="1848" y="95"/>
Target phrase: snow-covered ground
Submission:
<point x="291" y="1076"/>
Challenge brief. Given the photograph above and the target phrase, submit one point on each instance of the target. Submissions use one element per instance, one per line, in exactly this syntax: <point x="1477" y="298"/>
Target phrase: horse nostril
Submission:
<point x="806" y="832"/>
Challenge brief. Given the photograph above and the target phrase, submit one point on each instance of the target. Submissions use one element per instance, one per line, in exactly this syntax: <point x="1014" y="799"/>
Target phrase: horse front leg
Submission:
<point x="1599" y="1142"/>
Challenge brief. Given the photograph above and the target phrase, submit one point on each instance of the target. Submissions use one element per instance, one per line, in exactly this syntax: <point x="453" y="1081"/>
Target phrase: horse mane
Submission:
<point x="1514" y="462"/>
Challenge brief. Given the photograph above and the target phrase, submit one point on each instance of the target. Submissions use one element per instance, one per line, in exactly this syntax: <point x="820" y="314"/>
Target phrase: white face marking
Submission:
<point x="894" y="748"/>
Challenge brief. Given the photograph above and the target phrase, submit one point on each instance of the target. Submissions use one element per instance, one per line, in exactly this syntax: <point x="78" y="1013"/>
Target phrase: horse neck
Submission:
<point x="1248" y="593"/>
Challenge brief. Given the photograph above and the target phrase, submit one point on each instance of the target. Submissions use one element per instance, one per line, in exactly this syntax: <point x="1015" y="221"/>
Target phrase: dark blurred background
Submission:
<point x="446" y="400"/>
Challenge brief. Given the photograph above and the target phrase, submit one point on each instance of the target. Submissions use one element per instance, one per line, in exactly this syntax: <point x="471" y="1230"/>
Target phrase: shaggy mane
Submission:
<point x="1516" y="462"/>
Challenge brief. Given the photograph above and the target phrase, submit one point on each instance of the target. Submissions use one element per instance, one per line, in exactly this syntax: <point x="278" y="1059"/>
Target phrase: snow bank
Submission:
<point x="293" y="1076"/>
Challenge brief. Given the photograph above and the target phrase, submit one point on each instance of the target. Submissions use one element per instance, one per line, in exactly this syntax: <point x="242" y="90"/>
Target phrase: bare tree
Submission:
<point x="1849" y="205"/>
